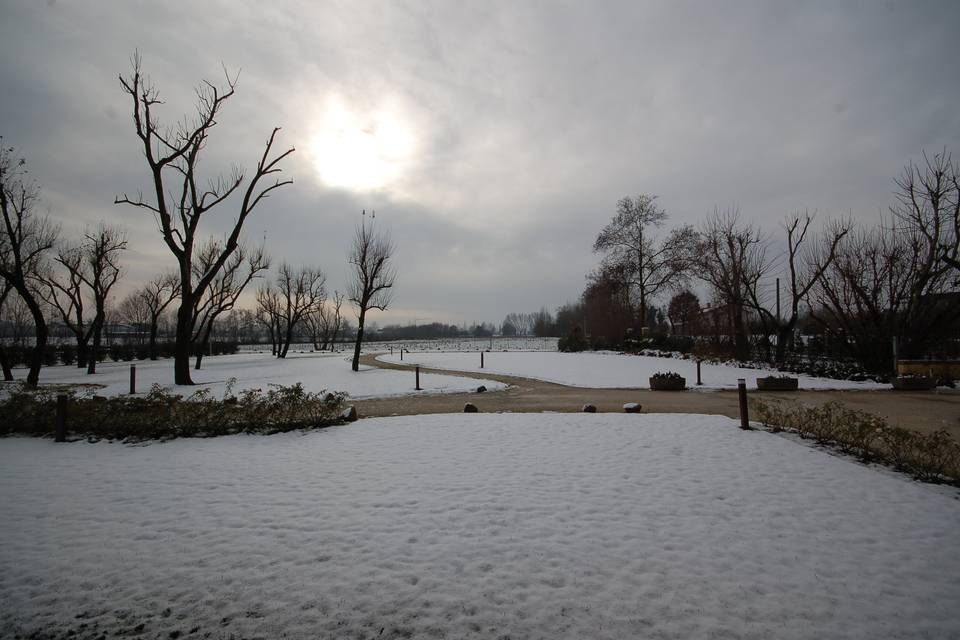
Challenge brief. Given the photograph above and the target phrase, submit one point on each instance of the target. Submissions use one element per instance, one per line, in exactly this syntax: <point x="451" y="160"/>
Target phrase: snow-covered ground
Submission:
<point x="316" y="371"/>
<point x="487" y="526"/>
<point x="608" y="370"/>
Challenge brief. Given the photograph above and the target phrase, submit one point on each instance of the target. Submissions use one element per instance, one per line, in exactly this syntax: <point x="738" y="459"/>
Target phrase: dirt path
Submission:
<point x="924" y="411"/>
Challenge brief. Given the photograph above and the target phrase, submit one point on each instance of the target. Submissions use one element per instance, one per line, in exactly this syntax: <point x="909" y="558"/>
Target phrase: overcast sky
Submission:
<point x="492" y="138"/>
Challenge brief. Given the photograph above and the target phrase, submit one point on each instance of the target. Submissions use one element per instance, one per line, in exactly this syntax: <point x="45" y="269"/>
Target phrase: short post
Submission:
<point x="742" y="392"/>
<point x="133" y="379"/>
<point x="391" y="350"/>
<point x="481" y="359"/>
<point x="699" y="381"/>
<point x="60" y="434"/>
<point x="418" y="377"/>
<point x="401" y="354"/>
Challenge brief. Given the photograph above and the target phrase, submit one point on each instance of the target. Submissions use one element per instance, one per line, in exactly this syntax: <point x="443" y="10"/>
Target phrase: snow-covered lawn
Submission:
<point x="316" y="371"/>
<point x="487" y="526"/>
<point x="607" y="370"/>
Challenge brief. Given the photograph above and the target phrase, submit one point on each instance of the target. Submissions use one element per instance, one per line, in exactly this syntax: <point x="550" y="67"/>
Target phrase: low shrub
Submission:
<point x="933" y="457"/>
<point x="163" y="415"/>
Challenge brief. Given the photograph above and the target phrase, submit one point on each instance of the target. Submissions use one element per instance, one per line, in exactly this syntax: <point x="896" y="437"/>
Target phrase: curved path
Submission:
<point x="923" y="411"/>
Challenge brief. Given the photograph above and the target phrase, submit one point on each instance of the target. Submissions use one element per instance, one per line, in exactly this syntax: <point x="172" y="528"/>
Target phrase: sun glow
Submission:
<point x="361" y="151"/>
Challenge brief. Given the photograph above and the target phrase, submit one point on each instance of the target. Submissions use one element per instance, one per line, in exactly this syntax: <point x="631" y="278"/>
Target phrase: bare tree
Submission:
<point x="244" y="265"/>
<point x="301" y="292"/>
<point x="181" y="199"/>
<point x="24" y="241"/>
<point x="731" y="258"/>
<point x="156" y="296"/>
<point x="132" y="310"/>
<point x="628" y="240"/>
<point x="63" y="290"/>
<point x="325" y="323"/>
<point x="6" y="289"/>
<point x="373" y="276"/>
<point x="807" y="259"/>
<point x="928" y="210"/>
<point x="268" y="314"/>
<point x="90" y="270"/>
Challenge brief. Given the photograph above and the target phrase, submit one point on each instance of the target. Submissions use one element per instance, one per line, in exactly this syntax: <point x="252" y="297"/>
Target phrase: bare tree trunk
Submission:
<point x="183" y="346"/>
<point x="355" y="365"/>
<point x="42" y="333"/>
<point x="5" y="365"/>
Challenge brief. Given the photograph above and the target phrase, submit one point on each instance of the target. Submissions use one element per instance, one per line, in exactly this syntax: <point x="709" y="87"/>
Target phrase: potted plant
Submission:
<point x="778" y="383"/>
<point x="914" y="383"/>
<point x="667" y="381"/>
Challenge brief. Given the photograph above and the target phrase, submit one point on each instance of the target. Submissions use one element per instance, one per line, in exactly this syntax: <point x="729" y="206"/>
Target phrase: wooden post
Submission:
<point x="418" y="377"/>
<point x="699" y="381"/>
<point x="401" y="354"/>
<point x="133" y="379"/>
<point x="481" y="359"/>
<point x="60" y="434"/>
<point x="742" y="392"/>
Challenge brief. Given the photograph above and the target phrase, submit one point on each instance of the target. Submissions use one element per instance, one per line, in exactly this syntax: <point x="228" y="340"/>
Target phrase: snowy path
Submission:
<point x="532" y="526"/>
<point x="605" y="370"/>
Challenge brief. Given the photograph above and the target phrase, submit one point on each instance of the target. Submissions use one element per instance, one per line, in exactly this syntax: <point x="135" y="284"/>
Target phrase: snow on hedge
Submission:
<point x="607" y="370"/>
<point x="316" y="371"/>
<point x="489" y="525"/>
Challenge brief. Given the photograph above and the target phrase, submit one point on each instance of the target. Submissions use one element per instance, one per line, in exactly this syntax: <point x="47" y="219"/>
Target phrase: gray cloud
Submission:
<point x="530" y="120"/>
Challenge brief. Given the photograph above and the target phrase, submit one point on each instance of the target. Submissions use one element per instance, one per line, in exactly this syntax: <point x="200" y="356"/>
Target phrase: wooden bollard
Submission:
<point x="401" y="354"/>
<point x="699" y="381"/>
<point x="133" y="379"/>
<point x="60" y="433"/>
<point x="742" y="392"/>
<point x="418" y="377"/>
<point x="481" y="359"/>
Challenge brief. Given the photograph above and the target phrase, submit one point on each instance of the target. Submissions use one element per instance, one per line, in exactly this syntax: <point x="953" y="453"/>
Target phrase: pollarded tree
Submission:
<point x="372" y="278"/>
<point x="181" y="198"/>
<point x="628" y="240"/>
<point x="25" y="239"/>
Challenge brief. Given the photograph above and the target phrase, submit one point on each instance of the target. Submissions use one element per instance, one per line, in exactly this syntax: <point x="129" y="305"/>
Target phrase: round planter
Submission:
<point x="668" y="385"/>
<point x="913" y="383"/>
<point x="773" y="383"/>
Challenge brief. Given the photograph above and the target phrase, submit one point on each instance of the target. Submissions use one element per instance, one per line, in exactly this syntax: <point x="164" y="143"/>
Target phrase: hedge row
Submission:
<point x="19" y="356"/>
<point x="931" y="457"/>
<point x="163" y="415"/>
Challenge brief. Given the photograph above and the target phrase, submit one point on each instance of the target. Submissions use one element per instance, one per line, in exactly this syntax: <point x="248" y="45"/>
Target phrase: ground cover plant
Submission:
<point x="161" y="414"/>
<point x="931" y="457"/>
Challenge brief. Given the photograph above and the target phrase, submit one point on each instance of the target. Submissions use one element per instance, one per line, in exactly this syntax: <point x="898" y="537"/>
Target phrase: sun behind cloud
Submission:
<point x="361" y="151"/>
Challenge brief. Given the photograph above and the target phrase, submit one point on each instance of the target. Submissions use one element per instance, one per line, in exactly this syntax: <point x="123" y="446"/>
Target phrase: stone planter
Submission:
<point x="668" y="385"/>
<point x="913" y="383"/>
<point x="778" y="383"/>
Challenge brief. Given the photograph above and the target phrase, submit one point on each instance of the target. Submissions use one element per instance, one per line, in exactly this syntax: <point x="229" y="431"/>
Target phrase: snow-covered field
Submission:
<point x="316" y="371"/>
<point x="607" y="370"/>
<point x="487" y="526"/>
